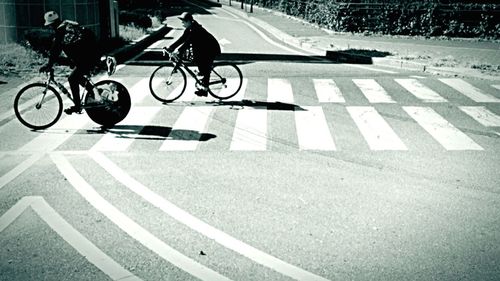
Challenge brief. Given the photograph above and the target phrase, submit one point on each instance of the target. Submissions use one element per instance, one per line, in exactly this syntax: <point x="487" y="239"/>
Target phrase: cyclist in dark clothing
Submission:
<point x="204" y="45"/>
<point x="80" y="46"/>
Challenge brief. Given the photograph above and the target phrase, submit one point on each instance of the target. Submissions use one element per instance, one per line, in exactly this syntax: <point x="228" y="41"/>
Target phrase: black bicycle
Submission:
<point x="168" y="82"/>
<point x="39" y="105"/>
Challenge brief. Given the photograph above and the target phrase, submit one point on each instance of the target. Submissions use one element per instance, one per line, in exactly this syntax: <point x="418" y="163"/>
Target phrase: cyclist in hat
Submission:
<point x="80" y="46"/>
<point x="204" y="45"/>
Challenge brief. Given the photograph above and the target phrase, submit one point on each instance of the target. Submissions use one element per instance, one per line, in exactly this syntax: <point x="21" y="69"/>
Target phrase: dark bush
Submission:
<point x="137" y="19"/>
<point x="40" y="40"/>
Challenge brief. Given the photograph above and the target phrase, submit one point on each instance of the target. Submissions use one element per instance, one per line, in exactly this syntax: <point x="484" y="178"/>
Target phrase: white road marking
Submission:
<point x="327" y="91"/>
<point x="19" y="169"/>
<point x="420" y="91"/>
<point x="187" y="130"/>
<point x="188" y="94"/>
<point x="377" y="133"/>
<point x="250" y="132"/>
<point x="373" y="91"/>
<point x="130" y="227"/>
<point x="494" y="86"/>
<point x="312" y="129"/>
<point x="482" y="115"/>
<point x="279" y="90"/>
<point x="51" y="138"/>
<point x="74" y="238"/>
<point x="241" y="93"/>
<point x="468" y="90"/>
<point x="441" y="130"/>
<point x="140" y="90"/>
<point x="119" y="138"/>
<point x="371" y="68"/>
<point x="200" y="226"/>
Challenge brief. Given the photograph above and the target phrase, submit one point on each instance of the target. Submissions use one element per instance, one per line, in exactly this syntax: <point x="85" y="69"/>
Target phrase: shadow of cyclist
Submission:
<point x="153" y="133"/>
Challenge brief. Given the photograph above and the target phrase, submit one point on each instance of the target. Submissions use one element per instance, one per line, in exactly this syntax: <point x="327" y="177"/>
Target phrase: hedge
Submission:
<point x="426" y="18"/>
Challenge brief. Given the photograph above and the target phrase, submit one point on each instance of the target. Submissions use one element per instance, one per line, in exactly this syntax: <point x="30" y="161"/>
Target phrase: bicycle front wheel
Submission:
<point x="38" y="106"/>
<point x="225" y="81"/>
<point x="167" y="83"/>
<point x="112" y="106"/>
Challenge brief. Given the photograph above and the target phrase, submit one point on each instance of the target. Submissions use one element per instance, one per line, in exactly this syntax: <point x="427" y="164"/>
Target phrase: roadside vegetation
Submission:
<point x="24" y="59"/>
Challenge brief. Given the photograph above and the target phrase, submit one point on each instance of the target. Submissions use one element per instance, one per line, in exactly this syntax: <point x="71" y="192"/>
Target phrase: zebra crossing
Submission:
<point x="315" y="129"/>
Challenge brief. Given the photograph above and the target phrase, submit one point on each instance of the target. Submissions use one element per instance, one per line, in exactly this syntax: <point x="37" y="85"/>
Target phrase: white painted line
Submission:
<point x="468" y="90"/>
<point x="482" y="115"/>
<point x="376" y="131"/>
<point x="131" y="227"/>
<point x="327" y="91"/>
<point x="312" y="129"/>
<point x="418" y="76"/>
<point x="250" y="132"/>
<point x="53" y="137"/>
<point x="140" y="90"/>
<point x="187" y="130"/>
<point x="441" y="130"/>
<point x="188" y="94"/>
<point x="420" y="91"/>
<point x="200" y="226"/>
<point x="279" y="90"/>
<point x="494" y="86"/>
<point x="74" y="238"/>
<point x="373" y="91"/>
<point x="19" y="169"/>
<point x="119" y="138"/>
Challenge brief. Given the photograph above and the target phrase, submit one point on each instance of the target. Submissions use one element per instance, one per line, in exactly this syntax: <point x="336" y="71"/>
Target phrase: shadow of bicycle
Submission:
<point x="259" y="105"/>
<point x="151" y="132"/>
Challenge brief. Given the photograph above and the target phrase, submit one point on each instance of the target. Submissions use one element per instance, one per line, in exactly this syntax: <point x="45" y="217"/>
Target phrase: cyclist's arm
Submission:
<point x="55" y="49"/>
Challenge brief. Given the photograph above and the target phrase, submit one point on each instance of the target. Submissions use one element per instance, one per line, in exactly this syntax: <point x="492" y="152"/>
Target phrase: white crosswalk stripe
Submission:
<point x="441" y="130"/>
<point x="420" y="91"/>
<point x="250" y="132"/>
<point x="373" y="91"/>
<point x="328" y="91"/>
<point x="377" y="133"/>
<point x="251" y="128"/>
<point x="187" y="130"/>
<point x="482" y="115"/>
<point x="279" y="90"/>
<point x="469" y="90"/>
<point x="114" y="140"/>
<point x="312" y="129"/>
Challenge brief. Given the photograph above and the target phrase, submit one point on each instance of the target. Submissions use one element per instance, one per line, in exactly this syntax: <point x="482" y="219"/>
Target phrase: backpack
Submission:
<point x="76" y="34"/>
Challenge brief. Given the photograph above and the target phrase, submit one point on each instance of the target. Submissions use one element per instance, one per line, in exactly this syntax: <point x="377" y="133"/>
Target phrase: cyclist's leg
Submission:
<point x="74" y="84"/>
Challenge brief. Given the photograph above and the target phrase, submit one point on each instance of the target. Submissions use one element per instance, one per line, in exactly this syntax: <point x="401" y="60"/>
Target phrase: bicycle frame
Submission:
<point x="180" y="63"/>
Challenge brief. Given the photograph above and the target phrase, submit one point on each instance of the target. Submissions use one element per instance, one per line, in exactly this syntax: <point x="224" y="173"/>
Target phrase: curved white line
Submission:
<point x="200" y="226"/>
<point x="67" y="232"/>
<point x="131" y="227"/>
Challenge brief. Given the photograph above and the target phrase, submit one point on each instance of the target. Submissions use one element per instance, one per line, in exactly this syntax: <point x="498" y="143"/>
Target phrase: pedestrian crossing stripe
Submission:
<point x="482" y="115"/>
<point x="373" y="91"/>
<point x="469" y="90"/>
<point x="420" y="91"/>
<point x="441" y="130"/>
<point x="378" y="134"/>
<point x="327" y="91"/>
<point x="313" y="128"/>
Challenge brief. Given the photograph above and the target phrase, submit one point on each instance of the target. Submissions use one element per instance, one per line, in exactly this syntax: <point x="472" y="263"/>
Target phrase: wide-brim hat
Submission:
<point x="50" y="17"/>
<point x="186" y="16"/>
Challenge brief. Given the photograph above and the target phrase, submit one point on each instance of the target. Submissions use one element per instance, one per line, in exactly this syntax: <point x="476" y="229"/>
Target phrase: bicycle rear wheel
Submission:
<point x="167" y="83"/>
<point x="225" y="80"/>
<point x="111" y="107"/>
<point x="38" y="106"/>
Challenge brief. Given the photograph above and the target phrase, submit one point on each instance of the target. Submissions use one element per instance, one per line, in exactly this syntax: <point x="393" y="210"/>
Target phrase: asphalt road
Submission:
<point x="326" y="172"/>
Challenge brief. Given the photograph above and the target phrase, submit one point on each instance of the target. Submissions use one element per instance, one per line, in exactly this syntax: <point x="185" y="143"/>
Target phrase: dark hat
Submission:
<point x="186" y="16"/>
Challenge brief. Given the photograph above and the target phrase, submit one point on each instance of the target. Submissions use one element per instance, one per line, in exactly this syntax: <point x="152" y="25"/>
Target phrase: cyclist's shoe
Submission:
<point x="201" y="93"/>
<point x="73" y="109"/>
